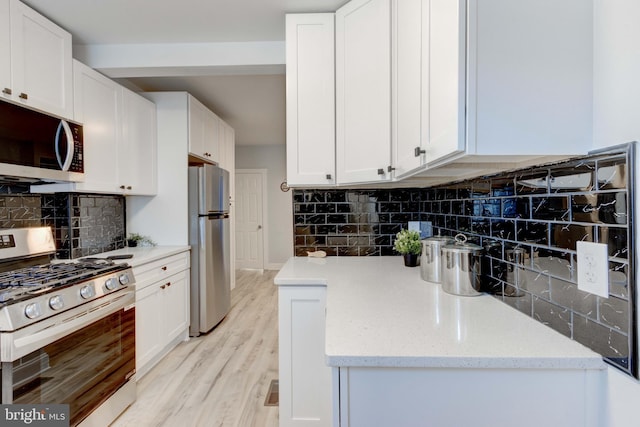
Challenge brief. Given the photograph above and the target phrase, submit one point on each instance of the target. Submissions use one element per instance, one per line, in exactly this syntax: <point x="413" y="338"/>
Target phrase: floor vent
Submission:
<point x="273" y="397"/>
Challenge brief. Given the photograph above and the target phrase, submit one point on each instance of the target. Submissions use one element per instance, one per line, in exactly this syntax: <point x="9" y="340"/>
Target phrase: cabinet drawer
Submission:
<point x="154" y="271"/>
<point x="162" y="284"/>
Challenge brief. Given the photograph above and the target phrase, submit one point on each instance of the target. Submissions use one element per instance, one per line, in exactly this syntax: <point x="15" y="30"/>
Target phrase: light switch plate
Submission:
<point x="593" y="268"/>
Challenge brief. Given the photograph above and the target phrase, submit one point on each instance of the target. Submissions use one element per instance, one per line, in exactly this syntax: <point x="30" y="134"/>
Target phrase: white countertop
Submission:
<point x="143" y="254"/>
<point x="382" y="314"/>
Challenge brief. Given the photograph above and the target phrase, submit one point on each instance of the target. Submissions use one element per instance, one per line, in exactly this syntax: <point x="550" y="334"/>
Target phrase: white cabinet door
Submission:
<point x="40" y="62"/>
<point x="5" y="49"/>
<point x="531" y="77"/>
<point x="446" y="79"/>
<point x="176" y="305"/>
<point x="310" y="60"/>
<point x="410" y="59"/>
<point x="363" y="91"/>
<point x="204" y="133"/>
<point x="149" y="318"/>
<point x="97" y="103"/>
<point x="305" y="379"/>
<point x="137" y="157"/>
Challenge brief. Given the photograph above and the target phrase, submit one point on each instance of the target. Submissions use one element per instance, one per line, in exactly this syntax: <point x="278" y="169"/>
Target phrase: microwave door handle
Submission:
<point x="70" y="146"/>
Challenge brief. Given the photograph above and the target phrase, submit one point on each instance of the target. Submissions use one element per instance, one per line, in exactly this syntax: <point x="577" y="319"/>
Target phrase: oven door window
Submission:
<point x="82" y="369"/>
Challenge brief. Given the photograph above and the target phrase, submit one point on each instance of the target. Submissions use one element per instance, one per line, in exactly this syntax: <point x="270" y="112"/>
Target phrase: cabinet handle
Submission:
<point x="168" y="283"/>
<point x="418" y="151"/>
<point x="122" y="187"/>
<point x="390" y="169"/>
<point x="328" y="176"/>
<point x="7" y="91"/>
<point x="23" y="96"/>
<point x="162" y="286"/>
<point x="164" y="268"/>
<point x="380" y="171"/>
<point x="128" y="187"/>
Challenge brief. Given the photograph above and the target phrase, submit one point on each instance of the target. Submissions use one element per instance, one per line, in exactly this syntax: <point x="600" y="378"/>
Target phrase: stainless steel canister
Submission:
<point x="461" y="267"/>
<point x="430" y="260"/>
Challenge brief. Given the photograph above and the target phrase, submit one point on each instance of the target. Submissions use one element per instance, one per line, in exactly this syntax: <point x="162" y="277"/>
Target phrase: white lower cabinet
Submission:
<point x="467" y="397"/>
<point x="162" y="309"/>
<point x="305" y="379"/>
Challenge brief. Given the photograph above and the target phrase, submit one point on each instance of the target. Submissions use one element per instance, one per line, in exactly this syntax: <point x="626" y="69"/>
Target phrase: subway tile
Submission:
<point x="532" y="182"/>
<point x="614" y="312"/>
<point x="325" y="207"/>
<point x="532" y="232"/>
<point x="559" y="264"/>
<point x="616" y="240"/>
<point x="619" y="280"/>
<point x="565" y="236"/>
<point x="568" y="295"/>
<point x="552" y="315"/>
<point x="554" y="208"/>
<point x="612" y="173"/>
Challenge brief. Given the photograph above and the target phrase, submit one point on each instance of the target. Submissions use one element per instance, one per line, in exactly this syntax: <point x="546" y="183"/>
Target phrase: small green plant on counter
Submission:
<point x="136" y="239"/>
<point x="408" y="242"/>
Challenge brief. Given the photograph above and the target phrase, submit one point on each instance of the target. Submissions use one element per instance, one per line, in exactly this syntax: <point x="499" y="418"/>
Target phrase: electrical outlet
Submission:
<point x="593" y="268"/>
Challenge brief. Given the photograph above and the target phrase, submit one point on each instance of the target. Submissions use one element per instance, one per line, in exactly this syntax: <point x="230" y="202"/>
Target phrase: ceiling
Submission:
<point x="253" y="104"/>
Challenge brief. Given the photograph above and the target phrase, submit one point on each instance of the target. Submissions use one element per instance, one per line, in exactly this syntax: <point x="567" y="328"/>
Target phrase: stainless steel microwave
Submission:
<point x="38" y="147"/>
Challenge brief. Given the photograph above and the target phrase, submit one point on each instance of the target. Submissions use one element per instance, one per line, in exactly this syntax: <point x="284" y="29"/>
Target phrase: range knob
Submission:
<point x="124" y="279"/>
<point x="111" y="283"/>
<point x="56" y="302"/>
<point x="32" y="310"/>
<point x="87" y="292"/>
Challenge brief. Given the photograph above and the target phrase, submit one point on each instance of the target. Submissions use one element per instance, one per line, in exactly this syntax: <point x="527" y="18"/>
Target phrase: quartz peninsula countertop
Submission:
<point x="382" y="314"/>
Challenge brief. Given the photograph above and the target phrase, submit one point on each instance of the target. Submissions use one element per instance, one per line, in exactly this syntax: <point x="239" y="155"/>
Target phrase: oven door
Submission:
<point x="81" y="360"/>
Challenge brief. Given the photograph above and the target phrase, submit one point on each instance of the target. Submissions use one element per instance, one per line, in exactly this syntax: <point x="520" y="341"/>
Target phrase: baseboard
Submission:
<point x="273" y="266"/>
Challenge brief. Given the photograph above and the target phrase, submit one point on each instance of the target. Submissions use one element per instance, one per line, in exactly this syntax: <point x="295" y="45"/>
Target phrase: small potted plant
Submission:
<point x="408" y="244"/>
<point x="136" y="239"/>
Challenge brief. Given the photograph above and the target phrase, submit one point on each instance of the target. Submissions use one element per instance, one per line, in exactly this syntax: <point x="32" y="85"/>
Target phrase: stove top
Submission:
<point x="24" y="283"/>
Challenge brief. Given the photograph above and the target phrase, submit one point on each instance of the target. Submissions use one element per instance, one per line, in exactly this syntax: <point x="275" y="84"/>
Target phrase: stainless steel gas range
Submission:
<point x="67" y="329"/>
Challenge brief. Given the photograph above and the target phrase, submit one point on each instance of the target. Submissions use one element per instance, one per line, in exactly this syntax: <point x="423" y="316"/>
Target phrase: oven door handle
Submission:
<point x="22" y="342"/>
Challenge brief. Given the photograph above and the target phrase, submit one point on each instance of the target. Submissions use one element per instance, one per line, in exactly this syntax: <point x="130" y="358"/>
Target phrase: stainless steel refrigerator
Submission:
<point x="209" y="239"/>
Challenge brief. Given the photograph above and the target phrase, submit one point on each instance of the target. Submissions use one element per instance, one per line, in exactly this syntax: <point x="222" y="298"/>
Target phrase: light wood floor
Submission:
<point x="221" y="378"/>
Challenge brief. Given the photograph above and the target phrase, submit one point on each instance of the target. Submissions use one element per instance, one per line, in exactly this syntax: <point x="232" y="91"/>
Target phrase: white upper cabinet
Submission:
<point x="137" y="163"/>
<point x="310" y="74"/>
<point x="37" y="71"/>
<point x="523" y="72"/>
<point x="119" y="137"/>
<point x="204" y="139"/>
<point x="363" y="91"/>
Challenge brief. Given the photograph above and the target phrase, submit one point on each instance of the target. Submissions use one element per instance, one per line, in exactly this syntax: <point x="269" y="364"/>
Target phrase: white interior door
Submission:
<point x="249" y="218"/>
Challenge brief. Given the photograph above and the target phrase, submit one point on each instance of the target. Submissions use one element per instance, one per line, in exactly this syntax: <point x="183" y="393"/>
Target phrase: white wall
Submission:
<point x="616" y="121"/>
<point x="279" y="204"/>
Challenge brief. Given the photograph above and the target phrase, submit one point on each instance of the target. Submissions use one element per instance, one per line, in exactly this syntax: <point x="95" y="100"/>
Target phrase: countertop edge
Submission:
<point x="594" y="363"/>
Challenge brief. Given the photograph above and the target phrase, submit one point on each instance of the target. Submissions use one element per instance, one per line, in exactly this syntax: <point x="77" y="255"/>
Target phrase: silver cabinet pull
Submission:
<point x="328" y="176"/>
<point x="259" y="227"/>
<point x="128" y="187"/>
<point x="23" y="96"/>
<point x="380" y="171"/>
<point x="419" y="151"/>
<point x="122" y="187"/>
<point x="7" y="91"/>
<point x="390" y="169"/>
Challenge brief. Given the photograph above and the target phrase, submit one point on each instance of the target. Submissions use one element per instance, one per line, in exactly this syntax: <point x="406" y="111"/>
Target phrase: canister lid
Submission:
<point x="461" y="246"/>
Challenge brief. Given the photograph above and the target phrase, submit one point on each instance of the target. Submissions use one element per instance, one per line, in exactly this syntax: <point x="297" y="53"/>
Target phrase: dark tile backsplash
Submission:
<point x="83" y="224"/>
<point x="528" y="221"/>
